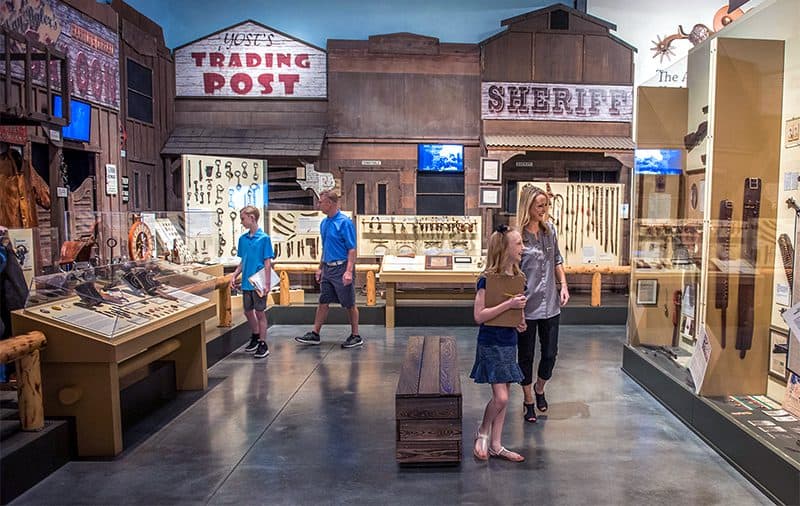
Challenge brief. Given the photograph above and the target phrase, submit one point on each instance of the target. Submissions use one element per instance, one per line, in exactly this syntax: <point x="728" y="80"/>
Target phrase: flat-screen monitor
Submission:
<point x="80" y="117"/>
<point x="440" y="158"/>
<point x="657" y="161"/>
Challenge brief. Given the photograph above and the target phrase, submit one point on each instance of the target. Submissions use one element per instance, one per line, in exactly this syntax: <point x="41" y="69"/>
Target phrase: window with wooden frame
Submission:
<point x="140" y="92"/>
<point x="382" y="188"/>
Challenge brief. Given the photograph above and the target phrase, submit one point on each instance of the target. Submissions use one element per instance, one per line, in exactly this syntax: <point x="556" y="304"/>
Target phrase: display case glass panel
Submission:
<point x="112" y="300"/>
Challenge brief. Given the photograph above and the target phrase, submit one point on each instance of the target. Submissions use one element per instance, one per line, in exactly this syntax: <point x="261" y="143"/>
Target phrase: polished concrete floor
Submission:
<point x="315" y="425"/>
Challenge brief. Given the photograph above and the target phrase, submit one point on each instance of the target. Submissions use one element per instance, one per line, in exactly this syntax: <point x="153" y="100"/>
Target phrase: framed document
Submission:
<point x="489" y="196"/>
<point x="778" y="353"/>
<point x="438" y="262"/>
<point x="491" y="171"/>
<point x="647" y="292"/>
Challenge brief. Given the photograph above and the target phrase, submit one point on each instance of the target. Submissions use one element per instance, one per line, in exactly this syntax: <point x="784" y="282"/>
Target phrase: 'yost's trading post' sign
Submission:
<point x="253" y="61"/>
<point x="564" y="102"/>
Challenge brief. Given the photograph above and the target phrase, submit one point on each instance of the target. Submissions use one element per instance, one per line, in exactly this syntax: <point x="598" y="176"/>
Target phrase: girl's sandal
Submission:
<point x="481" y="447"/>
<point x="529" y="413"/>
<point x="541" y="402"/>
<point x="506" y="454"/>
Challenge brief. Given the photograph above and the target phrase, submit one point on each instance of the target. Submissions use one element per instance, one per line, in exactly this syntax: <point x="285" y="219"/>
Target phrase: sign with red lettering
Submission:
<point x="558" y="102"/>
<point x="14" y="134"/>
<point x="91" y="47"/>
<point x="250" y="60"/>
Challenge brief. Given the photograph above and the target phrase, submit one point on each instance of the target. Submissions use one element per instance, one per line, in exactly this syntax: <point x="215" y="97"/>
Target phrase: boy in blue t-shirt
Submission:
<point x="255" y="250"/>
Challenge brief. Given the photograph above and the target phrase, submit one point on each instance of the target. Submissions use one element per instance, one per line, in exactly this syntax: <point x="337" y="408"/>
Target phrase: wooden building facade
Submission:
<point x="389" y="94"/>
<point x="556" y="103"/>
<point x="250" y="91"/>
<point x="119" y="77"/>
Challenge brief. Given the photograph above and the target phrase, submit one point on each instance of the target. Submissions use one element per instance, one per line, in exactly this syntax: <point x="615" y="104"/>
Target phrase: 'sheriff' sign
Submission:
<point x="559" y="102"/>
<point x="250" y="60"/>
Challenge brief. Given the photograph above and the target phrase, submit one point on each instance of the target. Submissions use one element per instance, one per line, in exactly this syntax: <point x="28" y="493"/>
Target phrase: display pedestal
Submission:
<point x="81" y="372"/>
<point x="753" y="456"/>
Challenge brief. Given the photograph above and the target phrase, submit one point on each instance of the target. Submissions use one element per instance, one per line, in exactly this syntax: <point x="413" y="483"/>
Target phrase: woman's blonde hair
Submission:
<point x="526" y="200"/>
<point x="497" y="252"/>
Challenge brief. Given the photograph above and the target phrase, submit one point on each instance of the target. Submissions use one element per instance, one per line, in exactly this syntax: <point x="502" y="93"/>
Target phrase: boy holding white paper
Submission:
<point x="255" y="250"/>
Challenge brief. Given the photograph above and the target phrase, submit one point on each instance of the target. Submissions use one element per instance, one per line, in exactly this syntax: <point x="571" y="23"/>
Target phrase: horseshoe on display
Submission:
<point x="233" y="231"/>
<point x="254" y="188"/>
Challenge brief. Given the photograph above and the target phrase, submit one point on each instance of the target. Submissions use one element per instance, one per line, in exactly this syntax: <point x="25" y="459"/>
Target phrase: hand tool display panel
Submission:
<point x="219" y="185"/>
<point x="586" y="216"/>
<point x="295" y="235"/>
<point x="380" y="235"/>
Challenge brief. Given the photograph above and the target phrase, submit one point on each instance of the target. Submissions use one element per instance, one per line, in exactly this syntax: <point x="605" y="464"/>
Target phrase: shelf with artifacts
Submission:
<point x="381" y="235"/>
<point x="103" y="324"/>
<point x="588" y="219"/>
<point x="735" y="174"/>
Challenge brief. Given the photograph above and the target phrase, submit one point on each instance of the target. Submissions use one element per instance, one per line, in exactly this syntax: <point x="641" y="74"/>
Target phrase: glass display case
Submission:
<point x="112" y="300"/>
<point x="714" y="230"/>
<point x="182" y="237"/>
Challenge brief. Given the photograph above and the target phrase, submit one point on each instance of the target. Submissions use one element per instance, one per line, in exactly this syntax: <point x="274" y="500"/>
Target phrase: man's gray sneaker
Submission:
<point x="309" y="338"/>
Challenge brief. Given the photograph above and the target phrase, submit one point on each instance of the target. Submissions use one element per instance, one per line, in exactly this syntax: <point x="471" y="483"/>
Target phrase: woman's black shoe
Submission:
<point x="530" y="414"/>
<point x="541" y="402"/>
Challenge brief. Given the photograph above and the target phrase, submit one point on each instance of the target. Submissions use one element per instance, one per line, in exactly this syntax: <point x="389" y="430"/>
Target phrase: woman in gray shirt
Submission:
<point x="542" y="265"/>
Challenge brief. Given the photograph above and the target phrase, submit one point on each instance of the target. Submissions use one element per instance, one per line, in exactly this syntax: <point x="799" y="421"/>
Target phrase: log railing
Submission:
<point x="25" y="350"/>
<point x="222" y="284"/>
<point x="283" y="271"/>
<point x="597" y="272"/>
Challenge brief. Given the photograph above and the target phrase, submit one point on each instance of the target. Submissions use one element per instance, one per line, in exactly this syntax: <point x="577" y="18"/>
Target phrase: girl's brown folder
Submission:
<point x="498" y="288"/>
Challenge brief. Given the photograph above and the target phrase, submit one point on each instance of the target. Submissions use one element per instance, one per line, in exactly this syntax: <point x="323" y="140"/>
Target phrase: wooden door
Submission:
<point x="370" y="191"/>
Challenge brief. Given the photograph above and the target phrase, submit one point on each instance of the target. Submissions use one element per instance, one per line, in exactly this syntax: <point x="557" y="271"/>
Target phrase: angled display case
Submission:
<point x="713" y="235"/>
<point x="103" y="324"/>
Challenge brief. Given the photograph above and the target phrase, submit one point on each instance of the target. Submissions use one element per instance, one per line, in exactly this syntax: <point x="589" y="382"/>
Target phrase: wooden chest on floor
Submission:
<point x="428" y="403"/>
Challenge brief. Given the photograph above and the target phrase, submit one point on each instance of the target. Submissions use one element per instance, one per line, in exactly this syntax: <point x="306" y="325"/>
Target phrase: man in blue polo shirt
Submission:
<point x="255" y="250"/>
<point x="336" y="271"/>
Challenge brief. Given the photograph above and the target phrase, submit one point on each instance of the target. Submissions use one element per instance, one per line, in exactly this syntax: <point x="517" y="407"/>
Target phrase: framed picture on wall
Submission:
<point x="647" y="292"/>
<point x="778" y="353"/>
<point x="489" y="196"/>
<point x="491" y="171"/>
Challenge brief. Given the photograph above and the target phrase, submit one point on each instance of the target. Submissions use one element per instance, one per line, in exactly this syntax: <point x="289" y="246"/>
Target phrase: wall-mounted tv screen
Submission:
<point x="657" y="161"/>
<point x="80" y="116"/>
<point x="440" y="158"/>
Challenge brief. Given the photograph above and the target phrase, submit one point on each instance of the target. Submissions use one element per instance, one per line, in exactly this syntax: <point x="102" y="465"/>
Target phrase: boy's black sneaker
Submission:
<point x="253" y="345"/>
<point x="353" y="341"/>
<point x="309" y="338"/>
<point x="262" y="350"/>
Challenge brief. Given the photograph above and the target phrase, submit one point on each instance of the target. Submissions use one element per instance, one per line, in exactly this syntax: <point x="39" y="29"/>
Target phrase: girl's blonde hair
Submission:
<point x="497" y="252"/>
<point x="526" y="200"/>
